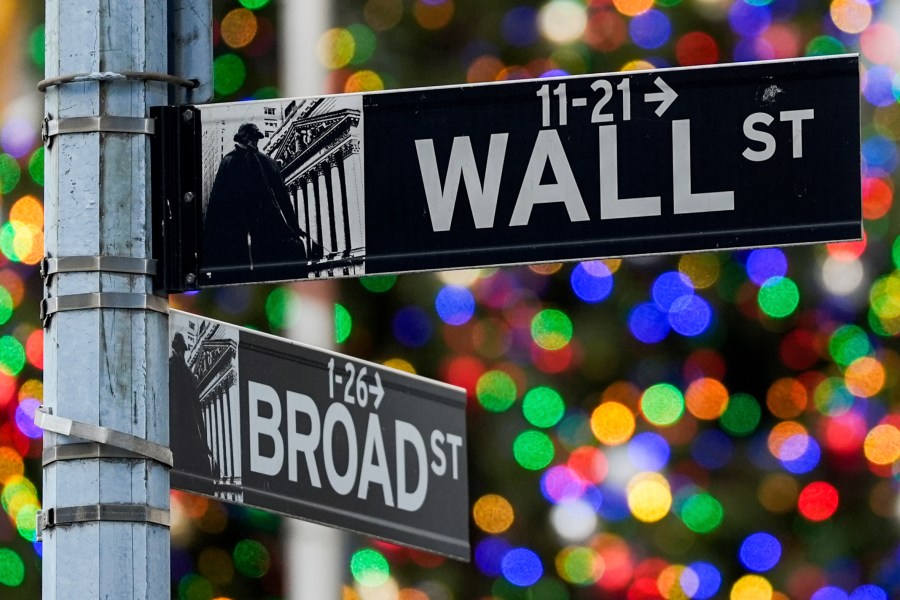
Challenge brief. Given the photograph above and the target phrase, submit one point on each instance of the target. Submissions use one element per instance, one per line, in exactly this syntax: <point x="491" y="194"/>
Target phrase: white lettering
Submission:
<point x="796" y="117"/>
<point x="371" y="472"/>
<point x="755" y="135"/>
<point x="442" y="199"/>
<point x="685" y="200"/>
<point x="439" y="465"/>
<point x="338" y="413"/>
<point x="265" y="426"/>
<point x="305" y="443"/>
<point x="611" y="206"/>
<point x="548" y="146"/>
<point x="455" y="442"/>
<point x="407" y="434"/>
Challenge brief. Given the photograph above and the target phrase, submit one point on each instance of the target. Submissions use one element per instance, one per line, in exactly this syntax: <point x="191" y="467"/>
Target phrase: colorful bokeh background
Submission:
<point x="713" y="425"/>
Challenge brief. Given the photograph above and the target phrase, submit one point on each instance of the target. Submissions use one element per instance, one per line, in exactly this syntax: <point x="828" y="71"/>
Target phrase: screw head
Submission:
<point x="189" y="197"/>
<point x="190" y="279"/>
<point x="187" y="115"/>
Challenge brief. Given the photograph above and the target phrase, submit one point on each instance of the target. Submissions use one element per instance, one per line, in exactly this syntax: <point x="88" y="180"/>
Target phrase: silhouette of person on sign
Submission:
<point x="190" y="448"/>
<point x="250" y="219"/>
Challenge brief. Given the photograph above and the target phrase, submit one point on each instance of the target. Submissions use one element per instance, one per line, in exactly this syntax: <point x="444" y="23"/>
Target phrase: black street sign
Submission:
<point x="277" y="425"/>
<point x="570" y="168"/>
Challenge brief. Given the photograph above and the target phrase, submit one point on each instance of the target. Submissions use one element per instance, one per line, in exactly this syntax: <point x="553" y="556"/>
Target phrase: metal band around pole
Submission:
<point x="105" y="264"/>
<point x="94" y="513"/>
<point x="125" y="300"/>
<point x="86" y="450"/>
<point x="106" y="124"/>
<point x="103" y="435"/>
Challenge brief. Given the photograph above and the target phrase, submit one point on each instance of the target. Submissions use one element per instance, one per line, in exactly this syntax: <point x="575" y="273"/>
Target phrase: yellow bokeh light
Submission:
<point x="631" y="8"/>
<point x="28" y="243"/>
<point x="649" y="497"/>
<point x="400" y="365"/>
<point x="433" y="16"/>
<point x="882" y="444"/>
<point x="702" y="269"/>
<point x="364" y="81"/>
<point x="493" y="513"/>
<point x="852" y="16"/>
<point x="637" y="65"/>
<point x="751" y="587"/>
<point x="562" y="21"/>
<point x="865" y="377"/>
<point x="786" y="398"/>
<point x="706" y="398"/>
<point x="778" y="493"/>
<point x="669" y="583"/>
<point x="335" y="48"/>
<point x="579" y="565"/>
<point x="546" y="268"/>
<point x="28" y="210"/>
<point x="239" y="27"/>
<point x="788" y="440"/>
<point x="612" y="423"/>
<point x="11" y="464"/>
<point x="382" y="15"/>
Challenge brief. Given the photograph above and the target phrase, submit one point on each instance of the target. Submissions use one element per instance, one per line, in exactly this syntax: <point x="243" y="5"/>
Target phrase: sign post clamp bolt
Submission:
<point x="189" y="197"/>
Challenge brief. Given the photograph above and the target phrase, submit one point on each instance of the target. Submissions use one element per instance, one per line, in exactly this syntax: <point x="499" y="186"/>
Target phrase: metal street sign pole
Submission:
<point x="104" y="523"/>
<point x="266" y="422"/>
<point x="571" y="168"/>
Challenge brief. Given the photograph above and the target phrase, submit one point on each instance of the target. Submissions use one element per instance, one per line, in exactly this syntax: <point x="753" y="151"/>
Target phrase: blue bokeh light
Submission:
<point x="591" y="281"/>
<point x="650" y="29"/>
<point x="559" y="483"/>
<point x="868" y="592"/>
<point x="412" y="327"/>
<point x="712" y="449"/>
<point x="519" y="27"/>
<point x="669" y="287"/>
<point x="806" y="459"/>
<point x="748" y="20"/>
<point x="765" y="263"/>
<point x="455" y="304"/>
<point x="707" y="582"/>
<point x="521" y="567"/>
<point x="690" y="315"/>
<point x="829" y="592"/>
<point x="489" y="555"/>
<point x="649" y="451"/>
<point x="648" y="323"/>
<point x="760" y="552"/>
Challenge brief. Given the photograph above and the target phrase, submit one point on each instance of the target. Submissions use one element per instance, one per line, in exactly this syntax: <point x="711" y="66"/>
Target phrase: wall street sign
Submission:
<point x="569" y="168"/>
<point x="281" y="426"/>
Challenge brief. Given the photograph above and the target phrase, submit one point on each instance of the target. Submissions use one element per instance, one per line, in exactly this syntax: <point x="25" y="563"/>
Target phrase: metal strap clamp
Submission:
<point x="70" y="515"/>
<point x="125" y="300"/>
<point x="104" y="264"/>
<point x="85" y="450"/>
<point x="103" y="435"/>
<point x="106" y="124"/>
<point x="122" y="76"/>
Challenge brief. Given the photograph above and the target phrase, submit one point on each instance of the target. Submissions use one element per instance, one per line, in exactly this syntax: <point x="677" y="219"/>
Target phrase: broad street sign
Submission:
<point x="569" y="168"/>
<point x="266" y="422"/>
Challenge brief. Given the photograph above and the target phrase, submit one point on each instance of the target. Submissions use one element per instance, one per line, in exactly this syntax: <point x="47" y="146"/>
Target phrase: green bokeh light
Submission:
<point x="36" y="45"/>
<point x="364" y="43"/>
<point x="580" y="566"/>
<point x="378" y="283"/>
<point x="369" y="567"/>
<point x="6" y="305"/>
<point x="551" y="329"/>
<point x="280" y="309"/>
<point x="36" y="166"/>
<point x="194" y="587"/>
<point x="543" y="407"/>
<point x="496" y="391"/>
<point x="251" y="558"/>
<point x="10" y="173"/>
<point x="662" y="404"/>
<point x="7" y="241"/>
<point x="12" y="355"/>
<point x="741" y="416"/>
<point x="267" y="93"/>
<point x="824" y="45"/>
<point x="702" y="513"/>
<point x="778" y="297"/>
<point x="12" y="569"/>
<point x="343" y="323"/>
<point x="254" y="4"/>
<point x="895" y="252"/>
<point x="848" y="343"/>
<point x="533" y="450"/>
<point x="229" y="73"/>
<point x="26" y="522"/>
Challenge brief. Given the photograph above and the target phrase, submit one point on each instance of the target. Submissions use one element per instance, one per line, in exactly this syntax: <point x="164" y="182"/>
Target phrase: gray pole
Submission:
<point x="104" y="366"/>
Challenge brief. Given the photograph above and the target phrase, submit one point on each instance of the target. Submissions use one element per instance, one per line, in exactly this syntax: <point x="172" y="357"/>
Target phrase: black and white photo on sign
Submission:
<point x="204" y="405"/>
<point x="283" y="190"/>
